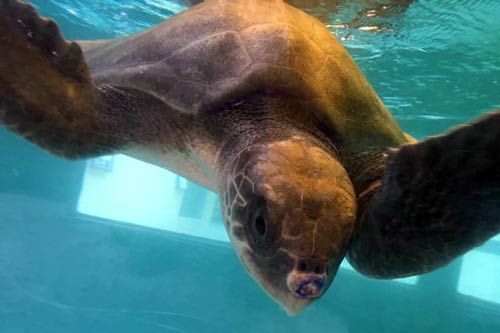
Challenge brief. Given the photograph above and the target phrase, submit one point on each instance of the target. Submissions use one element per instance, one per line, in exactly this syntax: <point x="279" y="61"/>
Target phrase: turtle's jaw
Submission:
<point x="299" y="294"/>
<point x="290" y="301"/>
<point x="303" y="289"/>
<point x="293" y="289"/>
<point x="292" y="304"/>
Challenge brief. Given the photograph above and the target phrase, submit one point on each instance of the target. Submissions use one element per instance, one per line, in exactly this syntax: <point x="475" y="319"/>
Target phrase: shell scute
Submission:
<point x="218" y="57"/>
<point x="243" y="47"/>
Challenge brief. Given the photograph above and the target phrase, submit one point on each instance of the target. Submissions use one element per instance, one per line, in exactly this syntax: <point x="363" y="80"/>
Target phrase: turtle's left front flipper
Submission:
<point x="438" y="199"/>
<point x="47" y="94"/>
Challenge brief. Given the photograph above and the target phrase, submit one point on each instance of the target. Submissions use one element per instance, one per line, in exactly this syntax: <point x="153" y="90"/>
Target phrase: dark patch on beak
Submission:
<point x="310" y="288"/>
<point x="303" y="285"/>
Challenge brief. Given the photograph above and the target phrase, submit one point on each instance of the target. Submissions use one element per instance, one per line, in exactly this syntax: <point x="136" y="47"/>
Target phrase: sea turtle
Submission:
<point x="258" y="101"/>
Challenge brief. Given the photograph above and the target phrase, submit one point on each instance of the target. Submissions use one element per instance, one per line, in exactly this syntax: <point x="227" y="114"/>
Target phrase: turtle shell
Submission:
<point x="221" y="51"/>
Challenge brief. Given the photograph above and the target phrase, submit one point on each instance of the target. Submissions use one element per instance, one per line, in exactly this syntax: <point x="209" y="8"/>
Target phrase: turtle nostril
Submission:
<point x="303" y="266"/>
<point x="311" y="266"/>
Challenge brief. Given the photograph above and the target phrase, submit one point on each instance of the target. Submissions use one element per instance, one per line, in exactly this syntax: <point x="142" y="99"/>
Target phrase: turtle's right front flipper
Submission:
<point x="47" y="94"/>
<point x="438" y="199"/>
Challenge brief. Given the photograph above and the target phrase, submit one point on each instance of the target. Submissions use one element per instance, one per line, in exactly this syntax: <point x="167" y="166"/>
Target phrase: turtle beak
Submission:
<point x="296" y="306"/>
<point x="290" y="284"/>
<point x="301" y="290"/>
<point x="294" y="291"/>
<point x="290" y="302"/>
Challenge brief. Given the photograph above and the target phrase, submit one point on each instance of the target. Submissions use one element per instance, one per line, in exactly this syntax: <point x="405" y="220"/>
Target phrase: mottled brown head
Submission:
<point x="289" y="209"/>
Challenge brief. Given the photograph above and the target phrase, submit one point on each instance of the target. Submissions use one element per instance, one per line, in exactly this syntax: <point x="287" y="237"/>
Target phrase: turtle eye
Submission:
<point x="261" y="232"/>
<point x="260" y="225"/>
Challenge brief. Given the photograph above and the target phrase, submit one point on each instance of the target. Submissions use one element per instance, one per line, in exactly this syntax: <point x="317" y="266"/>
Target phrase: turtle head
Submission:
<point x="289" y="209"/>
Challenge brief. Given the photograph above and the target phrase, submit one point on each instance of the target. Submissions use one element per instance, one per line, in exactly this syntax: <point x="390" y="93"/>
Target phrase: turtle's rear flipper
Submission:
<point x="47" y="95"/>
<point x="438" y="199"/>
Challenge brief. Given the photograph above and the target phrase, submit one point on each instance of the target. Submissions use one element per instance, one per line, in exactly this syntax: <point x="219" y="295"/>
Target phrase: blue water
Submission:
<point x="114" y="245"/>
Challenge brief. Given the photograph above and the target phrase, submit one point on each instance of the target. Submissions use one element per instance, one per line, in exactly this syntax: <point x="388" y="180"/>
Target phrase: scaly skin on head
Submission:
<point x="289" y="208"/>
